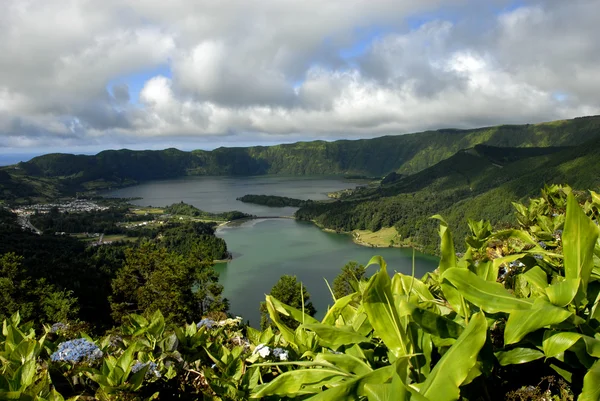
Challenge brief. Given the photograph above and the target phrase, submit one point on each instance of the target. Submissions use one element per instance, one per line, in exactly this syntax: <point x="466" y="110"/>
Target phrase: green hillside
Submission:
<point x="405" y="154"/>
<point x="481" y="181"/>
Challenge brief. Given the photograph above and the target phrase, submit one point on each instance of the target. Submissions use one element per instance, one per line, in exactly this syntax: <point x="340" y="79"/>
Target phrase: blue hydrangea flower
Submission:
<point x="75" y="351"/>
<point x="542" y="244"/>
<point x="57" y="327"/>
<point x="281" y="354"/>
<point x="152" y="369"/>
<point x="262" y="350"/>
<point x="208" y="323"/>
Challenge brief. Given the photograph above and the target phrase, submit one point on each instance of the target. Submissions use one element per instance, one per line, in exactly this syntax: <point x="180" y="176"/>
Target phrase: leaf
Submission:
<point x="294" y="313"/>
<point x="25" y="374"/>
<point x="286" y="332"/>
<point x="537" y="278"/>
<point x="520" y="323"/>
<point x="378" y="303"/>
<point x="448" y="254"/>
<point x="298" y="382"/>
<point x="394" y="391"/>
<point x="348" y="390"/>
<point x="496" y="263"/>
<point x="451" y="371"/>
<point x="338" y="307"/>
<point x="518" y="355"/>
<point x="579" y="238"/>
<point x="430" y="322"/>
<point x="591" y="384"/>
<point x="488" y="296"/>
<point x="562" y="293"/>
<point x="348" y="363"/>
<point x="333" y="337"/>
<point x="556" y="343"/>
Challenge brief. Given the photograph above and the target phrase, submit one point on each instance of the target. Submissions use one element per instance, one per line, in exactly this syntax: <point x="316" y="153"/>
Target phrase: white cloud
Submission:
<point x="260" y="69"/>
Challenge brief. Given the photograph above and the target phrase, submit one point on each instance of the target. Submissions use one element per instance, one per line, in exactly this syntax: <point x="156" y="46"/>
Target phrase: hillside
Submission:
<point x="481" y="181"/>
<point x="405" y="154"/>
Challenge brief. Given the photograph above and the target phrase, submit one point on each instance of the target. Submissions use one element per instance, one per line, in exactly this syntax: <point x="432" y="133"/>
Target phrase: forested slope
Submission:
<point x="482" y="181"/>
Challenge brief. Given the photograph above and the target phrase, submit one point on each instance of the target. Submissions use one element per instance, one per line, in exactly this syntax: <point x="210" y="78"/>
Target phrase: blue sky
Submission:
<point x="264" y="72"/>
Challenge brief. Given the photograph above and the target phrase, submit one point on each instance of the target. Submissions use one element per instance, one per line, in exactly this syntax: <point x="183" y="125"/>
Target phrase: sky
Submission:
<point x="81" y="76"/>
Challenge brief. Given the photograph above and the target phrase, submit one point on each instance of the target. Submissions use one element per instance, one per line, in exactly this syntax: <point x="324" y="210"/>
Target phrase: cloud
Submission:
<point x="267" y="70"/>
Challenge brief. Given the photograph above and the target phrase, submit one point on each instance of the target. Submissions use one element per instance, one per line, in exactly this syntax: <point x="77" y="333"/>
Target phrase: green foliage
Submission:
<point x="291" y="292"/>
<point x="31" y="298"/>
<point x="482" y="181"/>
<point x="346" y="282"/>
<point x="274" y="201"/>
<point x="183" y="209"/>
<point x="154" y="279"/>
<point x="514" y="317"/>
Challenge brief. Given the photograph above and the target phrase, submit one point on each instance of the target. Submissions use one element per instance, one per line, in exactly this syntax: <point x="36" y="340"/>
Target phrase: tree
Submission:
<point x="346" y="282"/>
<point x="291" y="292"/>
<point x="33" y="299"/>
<point x="153" y="278"/>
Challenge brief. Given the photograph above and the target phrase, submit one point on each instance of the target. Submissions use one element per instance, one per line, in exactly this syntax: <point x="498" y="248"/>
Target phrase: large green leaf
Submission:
<point x="394" y="391"/>
<point x="591" y="384"/>
<point x="492" y="274"/>
<point x="520" y="322"/>
<point x="518" y="355"/>
<point x="378" y="303"/>
<point x="292" y="312"/>
<point x="537" y="278"/>
<point x="347" y="363"/>
<point x="555" y="343"/>
<point x="489" y="296"/>
<point x="350" y="390"/>
<point x="579" y="239"/>
<point x="448" y="254"/>
<point x="333" y="337"/>
<point x="341" y="305"/>
<point x="430" y="322"/>
<point x="563" y="292"/>
<point x="286" y="332"/>
<point x="298" y="382"/>
<point x="451" y="371"/>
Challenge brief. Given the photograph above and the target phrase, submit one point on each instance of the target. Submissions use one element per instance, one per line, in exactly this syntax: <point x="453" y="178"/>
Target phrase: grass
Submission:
<point x="383" y="238"/>
<point x="111" y="237"/>
<point x="147" y="210"/>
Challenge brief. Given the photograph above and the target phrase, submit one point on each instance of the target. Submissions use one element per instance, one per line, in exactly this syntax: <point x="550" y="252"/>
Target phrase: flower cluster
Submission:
<point x="264" y="351"/>
<point x="152" y="369"/>
<point x="281" y="354"/>
<point x="58" y="327"/>
<point x="75" y="351"/>
<point x="208" y="323"/>
<point x="230" y="322"/>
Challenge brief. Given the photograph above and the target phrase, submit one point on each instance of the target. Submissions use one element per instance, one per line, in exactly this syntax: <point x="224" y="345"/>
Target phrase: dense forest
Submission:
<point x="54" y="174"/>
<point x="52" y="278"/>
<point x="481" y="181"/>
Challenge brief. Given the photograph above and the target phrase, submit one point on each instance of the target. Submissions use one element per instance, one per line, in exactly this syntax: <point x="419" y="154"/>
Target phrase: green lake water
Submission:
<point x="265" y="249"/>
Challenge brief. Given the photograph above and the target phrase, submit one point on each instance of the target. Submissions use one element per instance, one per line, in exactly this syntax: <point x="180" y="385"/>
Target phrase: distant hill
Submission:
<point x="52" y="174"/>
<point x="480" y="181"/>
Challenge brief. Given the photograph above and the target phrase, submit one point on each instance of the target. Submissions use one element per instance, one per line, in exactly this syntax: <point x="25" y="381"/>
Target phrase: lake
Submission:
<point x="265" y="249"/>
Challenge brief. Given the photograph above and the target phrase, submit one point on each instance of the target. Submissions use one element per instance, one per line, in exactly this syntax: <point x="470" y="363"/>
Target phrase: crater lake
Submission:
<point x="265" y="249"/>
